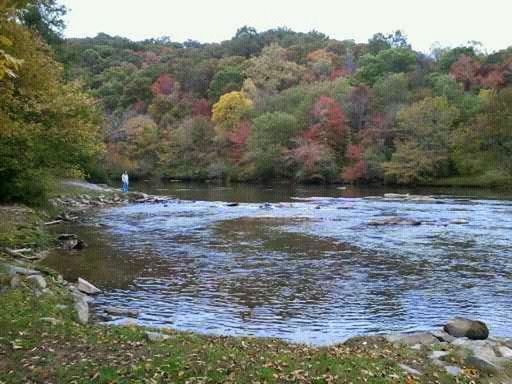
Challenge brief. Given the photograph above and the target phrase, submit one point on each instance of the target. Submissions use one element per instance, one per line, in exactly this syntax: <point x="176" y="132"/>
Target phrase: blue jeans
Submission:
<point x="125" y="187"/>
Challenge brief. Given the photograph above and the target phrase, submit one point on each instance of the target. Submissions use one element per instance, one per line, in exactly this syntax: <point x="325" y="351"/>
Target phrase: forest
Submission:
<point x="276" y="105"/>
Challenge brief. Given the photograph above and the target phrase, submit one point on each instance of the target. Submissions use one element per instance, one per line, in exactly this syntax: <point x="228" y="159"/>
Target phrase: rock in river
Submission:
<point x="86" y="287"/>
<point x="472" y="329"/>
<point x="122" y="311"/>
<point x="394" y="221"/>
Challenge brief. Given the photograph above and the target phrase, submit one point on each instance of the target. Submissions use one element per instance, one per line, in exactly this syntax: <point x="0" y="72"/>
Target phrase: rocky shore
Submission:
<point x="463" y="351"/>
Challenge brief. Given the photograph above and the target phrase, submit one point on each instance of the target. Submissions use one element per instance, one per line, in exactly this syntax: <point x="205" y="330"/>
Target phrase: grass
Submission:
<point x="22" y="227"/>
<point x="488" y="180"/>
<point x="32" y="350"/>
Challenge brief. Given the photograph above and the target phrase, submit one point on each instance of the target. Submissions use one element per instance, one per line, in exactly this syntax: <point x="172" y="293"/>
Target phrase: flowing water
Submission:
<point x="306" y="266"/>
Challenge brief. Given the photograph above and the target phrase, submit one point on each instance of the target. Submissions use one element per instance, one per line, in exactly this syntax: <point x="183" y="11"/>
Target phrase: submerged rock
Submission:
<point x="394" y="221"/>
<point x="121" y="311"/>
<point x="462" y="327"/>
<point x="86" y="287"/>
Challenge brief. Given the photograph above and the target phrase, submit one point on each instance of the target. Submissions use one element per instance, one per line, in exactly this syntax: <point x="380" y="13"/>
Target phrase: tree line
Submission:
<point x="272" y="105"/>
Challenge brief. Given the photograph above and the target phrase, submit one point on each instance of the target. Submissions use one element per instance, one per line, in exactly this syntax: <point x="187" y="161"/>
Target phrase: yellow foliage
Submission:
<point x="229" y="110"/>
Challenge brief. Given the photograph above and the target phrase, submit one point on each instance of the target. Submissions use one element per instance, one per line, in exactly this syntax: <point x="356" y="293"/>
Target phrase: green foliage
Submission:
<point x="272" y="72"/>
<point x="47" y="127"/>
<point x="422" y="140"/>
<point x="227" y="80"/>
<point x="393" y="60"/>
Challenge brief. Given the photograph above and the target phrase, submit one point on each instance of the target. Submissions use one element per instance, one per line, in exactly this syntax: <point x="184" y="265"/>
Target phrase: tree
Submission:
<point x="466" y="70"/>
<point x="45" y="17"/>
<point x="424" y="130"/>
<point x="226" y="80"/>
<point x="229" y="111"/>
<point x="47" y="128"/>
<point x="272" y="72"/>
<point x="328" y="126"/>
<point x="393" y="60"/>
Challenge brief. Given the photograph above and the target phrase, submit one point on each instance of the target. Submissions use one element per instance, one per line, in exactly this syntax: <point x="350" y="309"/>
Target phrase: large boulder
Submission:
<point x="462" y="327"/>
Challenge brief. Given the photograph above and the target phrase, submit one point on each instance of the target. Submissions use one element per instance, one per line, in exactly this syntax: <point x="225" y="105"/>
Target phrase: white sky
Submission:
<point x="449" y="22"/>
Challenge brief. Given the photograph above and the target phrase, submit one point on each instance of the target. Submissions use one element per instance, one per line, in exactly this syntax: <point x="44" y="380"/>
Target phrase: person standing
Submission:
<point x="125" y="180"/>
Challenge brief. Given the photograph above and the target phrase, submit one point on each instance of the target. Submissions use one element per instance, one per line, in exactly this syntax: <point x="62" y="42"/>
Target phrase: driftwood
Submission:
<point x="54" y="222"/>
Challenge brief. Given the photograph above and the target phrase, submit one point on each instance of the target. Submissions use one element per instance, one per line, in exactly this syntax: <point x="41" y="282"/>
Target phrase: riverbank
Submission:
<point x="42" y="330"/>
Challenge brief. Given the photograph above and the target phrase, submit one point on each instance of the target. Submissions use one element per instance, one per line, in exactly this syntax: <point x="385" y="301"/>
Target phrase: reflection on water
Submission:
<point x="307" y="269"/>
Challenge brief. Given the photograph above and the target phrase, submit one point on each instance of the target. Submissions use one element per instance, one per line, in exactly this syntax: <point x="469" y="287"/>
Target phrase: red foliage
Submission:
<point x="466" y="70"/>
<point x="238" y="139"/>
<point x="337" y="73"/>
<point x="330" y="128"/>
<point x="358" y="169"/>
<point x="139" y="107"/>
<point x="201" y="108"/>
<point x="492" y="77"/>
<point x="163" y="85"/>
<point x="308" y="154"/>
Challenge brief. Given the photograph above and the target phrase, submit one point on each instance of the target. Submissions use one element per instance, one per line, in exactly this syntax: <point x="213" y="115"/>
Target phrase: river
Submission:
<point x="306" y="266"/>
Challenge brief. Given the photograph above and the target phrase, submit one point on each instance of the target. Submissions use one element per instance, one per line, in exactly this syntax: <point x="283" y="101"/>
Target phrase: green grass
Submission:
<point x="22" y="227"/>
<point x="488" y="180"/>
<point x="32" y="350"/>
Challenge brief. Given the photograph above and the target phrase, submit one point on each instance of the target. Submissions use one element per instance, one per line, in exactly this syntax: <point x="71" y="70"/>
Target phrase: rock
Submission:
<point x="12" y="271"/>
<point x="505" y="352"/>
<point x="459" y="221"/>
<point x="38" y="281"/>
<point x="156" y="336"/>
<point x="66" y="236"/>
<point x="452" y="370"/>
<point x="51" y="320"/>
<point x="122" y="311"/>
<point x="232" y="204"/>
<point x="73" y="244"/>
<point x="393" y="221"/>
<point x="436" y="355"/>
<point x="396" y="196"/>
<point x="86" y="287"/>
<point x="472" y="329"/>
<point x="127" y="323"/>
<point x="61" y="307"/>
<point x="409" y="370"/>
<point x="482" y="364"/>
<point x="82" y="311"/>
<point x="443" y="336"/>
<point x="15" y="281"/>
<point x="423" y="338"/>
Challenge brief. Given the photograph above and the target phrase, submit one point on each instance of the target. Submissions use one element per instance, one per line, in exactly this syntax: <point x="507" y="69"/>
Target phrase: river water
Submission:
<point x="306" y="266"/>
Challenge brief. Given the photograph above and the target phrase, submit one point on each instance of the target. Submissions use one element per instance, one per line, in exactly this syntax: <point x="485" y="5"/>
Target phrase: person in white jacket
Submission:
<point x="125" y="180"/>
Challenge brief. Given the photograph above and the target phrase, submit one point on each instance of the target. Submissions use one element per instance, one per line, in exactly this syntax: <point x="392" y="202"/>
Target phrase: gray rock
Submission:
<point x="472" y="329"/>
<point x="393" y="221"/>
<point x="66" y="236"/>
<point x="12" y="271"/>
<point x="51" y="320"/>
<point x="82" y="311"/>
<point x="15" y="281"/>
<point x="38" y="281"/>
<point x="459" y="221"/>
<point x="482" y="364"/>
<point x="443" y="336"/>
<point x="452" y="370"/>
<point x="424" y="338"/>
<point x="505" y="352"/>
<point x="61" y="307"/>
<point x="86" y="287"/>
<point x="156" y="336"/>
<point x="436" y="355"/>
<point x="121" y="311"/>
<point x="409" y="370"/>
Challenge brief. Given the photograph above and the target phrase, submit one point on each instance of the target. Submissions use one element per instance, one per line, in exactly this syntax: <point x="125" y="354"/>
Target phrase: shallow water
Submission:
<point x="303" y="268"/>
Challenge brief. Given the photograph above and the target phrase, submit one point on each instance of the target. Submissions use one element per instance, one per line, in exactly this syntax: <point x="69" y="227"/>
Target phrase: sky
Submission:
<point x="445" y="22"/>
